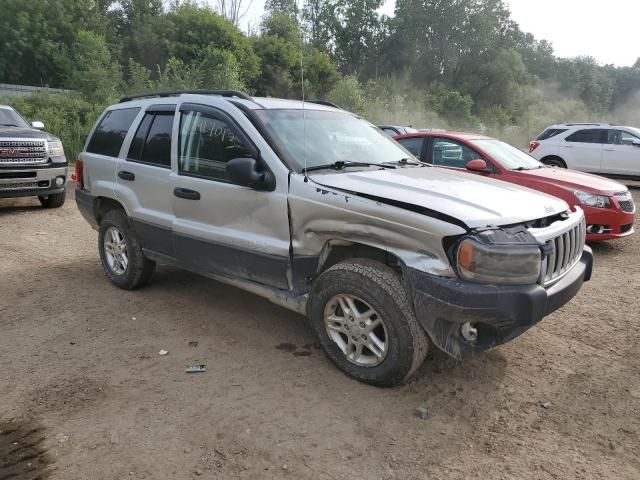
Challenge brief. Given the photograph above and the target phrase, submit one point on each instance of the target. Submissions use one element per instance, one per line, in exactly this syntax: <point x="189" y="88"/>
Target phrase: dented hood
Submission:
<point x="473" y="200"/>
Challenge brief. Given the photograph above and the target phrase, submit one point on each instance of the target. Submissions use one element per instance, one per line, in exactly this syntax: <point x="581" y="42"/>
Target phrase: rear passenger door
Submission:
<point x="582" y="150"/>
<point x="221" y="228"/>
<point x="143" y="178"/>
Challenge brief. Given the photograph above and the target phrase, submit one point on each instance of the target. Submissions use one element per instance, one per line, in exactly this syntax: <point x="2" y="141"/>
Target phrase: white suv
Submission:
<point x="610" y="150"/>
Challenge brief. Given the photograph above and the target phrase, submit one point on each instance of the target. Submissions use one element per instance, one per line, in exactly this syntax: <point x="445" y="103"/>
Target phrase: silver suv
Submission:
<point x="32" y="162"/>
<point x="319" y="211"/>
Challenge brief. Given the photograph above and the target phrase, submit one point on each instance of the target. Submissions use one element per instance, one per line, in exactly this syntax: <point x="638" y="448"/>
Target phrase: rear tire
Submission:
<point x="554" y="162"/>
<point x="55" y="200"/>
<point x="346" y="302"/>
<point x="121" y="253"/>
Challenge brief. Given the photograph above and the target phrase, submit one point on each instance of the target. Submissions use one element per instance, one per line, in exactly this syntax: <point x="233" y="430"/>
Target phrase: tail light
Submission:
<point x="533" y="146"/>
<point x="79" y="177"/>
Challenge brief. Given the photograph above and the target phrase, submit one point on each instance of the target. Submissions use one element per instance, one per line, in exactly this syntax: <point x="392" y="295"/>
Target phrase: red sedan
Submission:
<point x="608" y="205"/>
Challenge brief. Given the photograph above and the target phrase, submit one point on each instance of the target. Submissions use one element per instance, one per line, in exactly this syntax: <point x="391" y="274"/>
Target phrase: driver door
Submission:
<point x="221" y="228"/>
<point x="620" y="155"/>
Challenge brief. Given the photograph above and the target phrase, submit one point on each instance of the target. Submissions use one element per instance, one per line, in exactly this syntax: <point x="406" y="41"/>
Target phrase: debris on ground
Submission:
<point x="421" y="412"/>
<point x="162" y="353"/>
<point x="201" y="367"/>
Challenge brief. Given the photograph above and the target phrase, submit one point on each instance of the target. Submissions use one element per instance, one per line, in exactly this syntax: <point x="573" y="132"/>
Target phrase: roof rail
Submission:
<point x="578" y="124"/>
<point x="175" y="93"/>
<point x="323" y="102"/>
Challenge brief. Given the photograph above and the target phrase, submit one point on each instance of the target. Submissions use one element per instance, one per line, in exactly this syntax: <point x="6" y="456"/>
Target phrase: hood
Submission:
<point x="475" y="201"/>
<point x="17" y="132"/>
<point x="573" y="180"/>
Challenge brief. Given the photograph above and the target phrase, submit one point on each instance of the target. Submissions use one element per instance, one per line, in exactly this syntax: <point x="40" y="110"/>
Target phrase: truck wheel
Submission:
<point x="55" y="200"/>
<point x="121" y="252"/>
<point x="364" y="320"/>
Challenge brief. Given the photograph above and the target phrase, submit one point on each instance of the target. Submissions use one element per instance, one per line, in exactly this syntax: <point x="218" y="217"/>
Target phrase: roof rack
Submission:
<point x="175" y="93"/>
<point x="323" y="102"/>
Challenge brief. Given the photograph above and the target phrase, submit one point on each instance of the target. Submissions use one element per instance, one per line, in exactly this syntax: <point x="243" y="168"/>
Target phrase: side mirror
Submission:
<point x="38" y="125"/>
<point x="247" y="172"/>
<point x="477" y="165"/>
<point x="636" y="142"/>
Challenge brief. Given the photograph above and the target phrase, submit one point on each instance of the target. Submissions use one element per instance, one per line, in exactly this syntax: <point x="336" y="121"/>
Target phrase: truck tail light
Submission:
<point x="79" y="177"/>
<point x="533" y="146"/>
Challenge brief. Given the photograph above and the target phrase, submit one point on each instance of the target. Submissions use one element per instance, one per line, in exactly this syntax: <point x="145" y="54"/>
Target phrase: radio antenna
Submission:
<point x="304" y="114"/>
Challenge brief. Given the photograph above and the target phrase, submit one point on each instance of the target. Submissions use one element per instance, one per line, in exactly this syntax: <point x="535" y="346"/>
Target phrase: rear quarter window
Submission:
<point x="550" y="133"/>
<point x="109" y="135"/>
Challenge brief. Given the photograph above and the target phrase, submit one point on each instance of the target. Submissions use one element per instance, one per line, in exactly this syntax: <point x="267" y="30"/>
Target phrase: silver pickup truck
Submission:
<point x="32" y="162"/>
<point x="319" y="211"/>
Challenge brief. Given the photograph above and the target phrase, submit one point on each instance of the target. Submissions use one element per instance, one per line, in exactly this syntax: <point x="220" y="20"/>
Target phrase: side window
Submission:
<point x="390" y="131"/>
<point x="591" y="135"/>
<point x="152" y="142"/>
<point x="413" y="144"/>
<point x="109" y="135"/>
<point x="550" y="133"/>
<point x="207" y="143"/>
<point x="620" y="137"/>
<point x="449" y="153"/>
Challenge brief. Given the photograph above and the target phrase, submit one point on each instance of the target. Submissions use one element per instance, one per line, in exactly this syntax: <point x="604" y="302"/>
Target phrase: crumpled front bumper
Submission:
<point x="499" y="312"/>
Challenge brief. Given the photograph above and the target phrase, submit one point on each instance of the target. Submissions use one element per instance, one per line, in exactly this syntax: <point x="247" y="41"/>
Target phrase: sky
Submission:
<point x="607" y="31"/>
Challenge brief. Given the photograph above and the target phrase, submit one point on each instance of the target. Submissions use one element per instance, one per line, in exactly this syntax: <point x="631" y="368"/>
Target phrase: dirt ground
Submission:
<point x="85" y="393"/>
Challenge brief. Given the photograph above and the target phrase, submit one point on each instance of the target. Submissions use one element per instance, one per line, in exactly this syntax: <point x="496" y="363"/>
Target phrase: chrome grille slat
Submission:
<point x="566" y="251"/>
<point x="18" y="185"/>
<point x="23" y="152"/>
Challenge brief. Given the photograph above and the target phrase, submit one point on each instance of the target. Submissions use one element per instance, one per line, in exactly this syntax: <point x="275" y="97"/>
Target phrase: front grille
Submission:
<point x="565" y="251"/>
<point x="18" y="185"/>
<point x="23" y="152"/>
<point x="626" y="206"/>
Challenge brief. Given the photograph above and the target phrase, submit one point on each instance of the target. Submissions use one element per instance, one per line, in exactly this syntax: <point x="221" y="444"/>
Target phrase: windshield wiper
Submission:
<point x="405" y="161"/>
<point x="341" y="165"/>
<point x="8" y="125"/>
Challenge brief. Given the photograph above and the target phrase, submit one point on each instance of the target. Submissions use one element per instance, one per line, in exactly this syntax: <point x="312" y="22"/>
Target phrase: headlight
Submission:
<point x="55" y="149"/>
<point x="592" y="200"/>
<point x="496" y="256"/>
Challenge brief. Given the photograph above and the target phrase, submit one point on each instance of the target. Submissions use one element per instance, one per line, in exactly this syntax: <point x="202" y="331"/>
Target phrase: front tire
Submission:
<point x="121" y="253"/>
<point x="55" y="200"/>
<point x="365" y="323"/>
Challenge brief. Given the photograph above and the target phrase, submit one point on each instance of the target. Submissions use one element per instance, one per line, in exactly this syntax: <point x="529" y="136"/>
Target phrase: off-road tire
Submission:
<point x="139" y="269"/>
<point x="55" y="200"/>
<point x="382" y="289"/>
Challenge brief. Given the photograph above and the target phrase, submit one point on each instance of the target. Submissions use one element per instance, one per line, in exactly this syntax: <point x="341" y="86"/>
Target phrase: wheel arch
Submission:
<point x="103" y="205"/>
<point x="546" y="158"/>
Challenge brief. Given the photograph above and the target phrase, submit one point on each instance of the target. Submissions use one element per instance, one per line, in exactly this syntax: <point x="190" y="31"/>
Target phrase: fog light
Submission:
<point x="59" y="181"/>
<point x="469" y="332"/>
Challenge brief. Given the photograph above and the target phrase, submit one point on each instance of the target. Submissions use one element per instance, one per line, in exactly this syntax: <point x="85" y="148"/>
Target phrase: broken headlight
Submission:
<point x="507" y="257"/>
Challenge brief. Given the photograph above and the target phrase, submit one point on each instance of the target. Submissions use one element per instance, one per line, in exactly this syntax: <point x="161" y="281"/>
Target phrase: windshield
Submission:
<point x="9" y="117"/>
<point x="635" y="130"/>
<point x="330" y="137"/>
<point x="509" y="157"/>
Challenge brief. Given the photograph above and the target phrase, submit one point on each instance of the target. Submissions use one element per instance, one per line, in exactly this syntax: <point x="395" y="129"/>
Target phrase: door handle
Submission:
<point x="126" y="176"/>
<point x="609" y="150"/>
<point x="186" y="193"/>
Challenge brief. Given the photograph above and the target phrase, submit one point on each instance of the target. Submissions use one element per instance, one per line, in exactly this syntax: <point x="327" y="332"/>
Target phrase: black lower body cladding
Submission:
<point x="499" y="313"/>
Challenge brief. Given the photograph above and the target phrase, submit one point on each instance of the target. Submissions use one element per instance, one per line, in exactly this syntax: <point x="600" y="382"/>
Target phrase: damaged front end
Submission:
<point x="503" y="288"/>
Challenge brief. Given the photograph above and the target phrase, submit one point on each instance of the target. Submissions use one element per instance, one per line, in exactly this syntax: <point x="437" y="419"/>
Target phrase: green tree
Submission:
<point x="287" y="7"/>
<point x="196" y="28"/>
<point x="89" y="69"/>
<point x="34" y="32"/>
